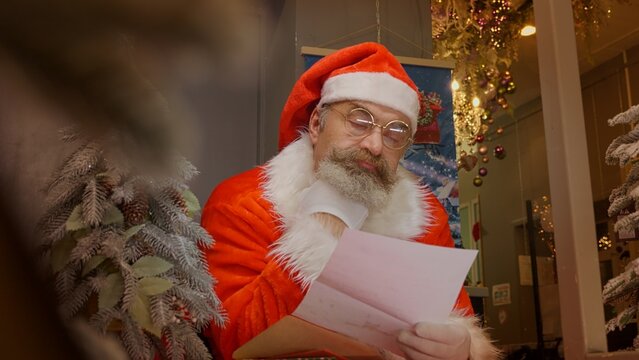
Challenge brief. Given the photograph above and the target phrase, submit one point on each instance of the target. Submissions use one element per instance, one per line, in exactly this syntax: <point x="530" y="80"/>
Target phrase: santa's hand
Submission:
<point x="429" y="341"/>
<point x="323" y="198"/>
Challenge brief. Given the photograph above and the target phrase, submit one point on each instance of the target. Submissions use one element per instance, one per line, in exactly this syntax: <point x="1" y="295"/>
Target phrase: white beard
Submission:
<point x="360" y="186"/>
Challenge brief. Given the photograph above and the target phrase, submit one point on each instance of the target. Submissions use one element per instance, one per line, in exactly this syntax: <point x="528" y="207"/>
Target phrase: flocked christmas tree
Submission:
<point x="622" y="291"/>
<point x="123" y="250"/>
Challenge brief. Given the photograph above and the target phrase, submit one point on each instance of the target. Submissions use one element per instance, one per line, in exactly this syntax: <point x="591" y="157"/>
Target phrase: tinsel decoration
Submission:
<point x="622" y="291"/>
<point x="124" y="252"/>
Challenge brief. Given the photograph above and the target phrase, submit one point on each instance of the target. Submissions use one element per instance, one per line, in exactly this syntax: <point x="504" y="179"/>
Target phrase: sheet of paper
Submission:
<point x="407" y="281"/>
<point x="334" y="310"/>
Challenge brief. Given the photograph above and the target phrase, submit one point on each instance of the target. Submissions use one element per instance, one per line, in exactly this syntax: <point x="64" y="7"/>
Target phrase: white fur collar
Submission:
<point x="305" y="246"/>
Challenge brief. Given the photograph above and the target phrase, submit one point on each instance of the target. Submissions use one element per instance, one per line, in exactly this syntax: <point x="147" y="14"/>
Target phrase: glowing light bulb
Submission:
<point x="454" y="85"/>
<point x="475" y="102"/>
<point x="528" y="30"/>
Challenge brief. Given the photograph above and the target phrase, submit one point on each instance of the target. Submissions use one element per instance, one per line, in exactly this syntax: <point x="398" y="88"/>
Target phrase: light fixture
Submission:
<point x="454" y="85"/>
<point x="475" y="102"/>
<point x="528" y="30"/>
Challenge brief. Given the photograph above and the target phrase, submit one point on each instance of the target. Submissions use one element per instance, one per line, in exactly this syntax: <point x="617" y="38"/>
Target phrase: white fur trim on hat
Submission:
<point x="377" y="87"/>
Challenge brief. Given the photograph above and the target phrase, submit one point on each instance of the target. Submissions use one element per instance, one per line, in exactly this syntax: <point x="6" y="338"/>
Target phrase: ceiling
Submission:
<point x="619" y="33"/>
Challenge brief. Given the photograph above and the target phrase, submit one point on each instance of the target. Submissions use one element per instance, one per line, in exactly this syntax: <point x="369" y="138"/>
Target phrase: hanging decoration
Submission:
<point x="480" y="36"/>
<point x="604" y="243"/>
<point x="499" y="152"/>
<point x="542" y="214"/>
<point x="590" y="15"/>
<point x="477" y="231"/>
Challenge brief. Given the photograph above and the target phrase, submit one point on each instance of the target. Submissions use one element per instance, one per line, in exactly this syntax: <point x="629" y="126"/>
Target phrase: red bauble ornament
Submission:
<point x="499" y="152"/>
<point x="483" y="171"/>
<point x="476" y="231"/>
<point x="479" y="138"/>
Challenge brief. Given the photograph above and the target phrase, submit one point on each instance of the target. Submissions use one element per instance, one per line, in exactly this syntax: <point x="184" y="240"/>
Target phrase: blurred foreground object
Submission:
<point x="127" y="258"/>
<point x="31" y="328"/>
<point x="82" y="52"/>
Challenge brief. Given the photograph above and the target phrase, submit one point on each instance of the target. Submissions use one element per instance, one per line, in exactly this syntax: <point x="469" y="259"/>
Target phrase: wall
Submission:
<point x="604" y="95"/>
<point x="502" y="204"/>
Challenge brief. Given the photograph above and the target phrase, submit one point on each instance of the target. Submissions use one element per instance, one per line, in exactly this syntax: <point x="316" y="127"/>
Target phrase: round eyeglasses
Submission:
<point x="360" y="122"/>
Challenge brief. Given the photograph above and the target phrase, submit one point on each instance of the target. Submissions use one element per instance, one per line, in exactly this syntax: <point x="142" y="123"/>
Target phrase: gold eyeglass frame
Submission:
<point x="409" y="139"/>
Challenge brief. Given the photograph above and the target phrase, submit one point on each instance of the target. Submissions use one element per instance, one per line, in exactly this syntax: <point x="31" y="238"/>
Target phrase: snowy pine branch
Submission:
<point x="136" y="343"/>
<point x="103" y="318"/>
<point x="620" y="321"/>
<point x="81" y="162"/>
<point x="624" y="148"/>
<point x="623" y="287"/>
<point x="629" y="116"/>
<point x="623" y="290"/>
<point x="93" y="203"/>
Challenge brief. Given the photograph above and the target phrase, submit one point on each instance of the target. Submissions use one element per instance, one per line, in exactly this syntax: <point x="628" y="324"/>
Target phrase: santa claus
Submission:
<point x="344" y="128"/>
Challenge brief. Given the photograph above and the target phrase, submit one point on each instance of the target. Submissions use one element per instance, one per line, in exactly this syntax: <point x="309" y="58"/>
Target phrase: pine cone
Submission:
<point x="109" y="183"/>
<point x="136" y="211"/>
<point x="177" y="199"/>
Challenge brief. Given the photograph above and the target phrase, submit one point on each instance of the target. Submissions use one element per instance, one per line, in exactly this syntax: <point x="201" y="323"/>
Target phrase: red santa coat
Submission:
<point x="266" y="253"/>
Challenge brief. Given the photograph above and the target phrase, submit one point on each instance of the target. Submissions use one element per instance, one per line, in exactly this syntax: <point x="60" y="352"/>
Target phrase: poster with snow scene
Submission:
<point x="436" y="163"/>
<point x="432" y="156"/>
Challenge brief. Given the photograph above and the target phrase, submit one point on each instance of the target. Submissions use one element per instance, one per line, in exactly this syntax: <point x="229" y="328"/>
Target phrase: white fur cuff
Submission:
<point x="481" y="347"/>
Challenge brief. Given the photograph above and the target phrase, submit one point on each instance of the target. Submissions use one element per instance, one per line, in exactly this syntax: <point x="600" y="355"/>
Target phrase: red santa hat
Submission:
<point x="366" y="72"/>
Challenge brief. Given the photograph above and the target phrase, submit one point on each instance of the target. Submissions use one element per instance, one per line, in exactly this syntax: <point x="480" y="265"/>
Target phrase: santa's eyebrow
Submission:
<point x="357" y="105"/>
